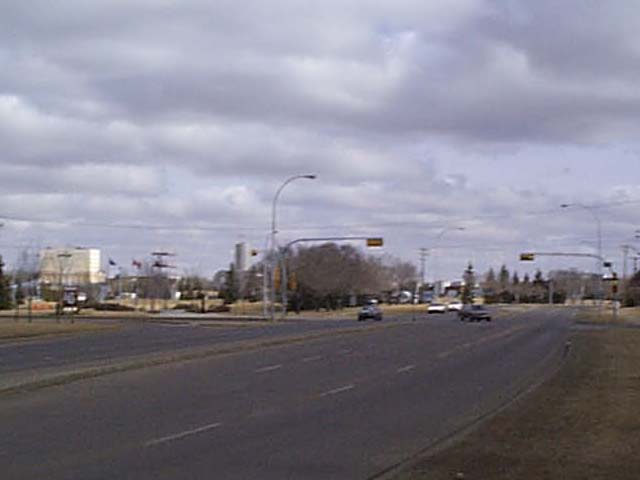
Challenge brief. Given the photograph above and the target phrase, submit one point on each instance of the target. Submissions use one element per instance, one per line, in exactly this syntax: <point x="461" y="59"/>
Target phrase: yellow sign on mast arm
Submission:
<point x="375" y="242"/>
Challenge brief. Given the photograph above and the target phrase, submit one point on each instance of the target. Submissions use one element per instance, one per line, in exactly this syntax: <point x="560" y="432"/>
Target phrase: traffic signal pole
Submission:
<point x="531" y="256"/>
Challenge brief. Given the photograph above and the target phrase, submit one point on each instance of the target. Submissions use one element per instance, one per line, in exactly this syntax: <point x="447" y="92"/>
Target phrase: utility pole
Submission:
<point x="62" y="263"/>
<point x="625" y="255"/>
<point x="423" y="254"/>
<point x="159" y="265"/>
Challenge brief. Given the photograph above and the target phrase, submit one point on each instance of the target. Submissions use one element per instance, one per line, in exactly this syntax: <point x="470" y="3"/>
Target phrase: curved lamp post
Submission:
<point x="437" y="240"/>
<point x="274" y="232"/>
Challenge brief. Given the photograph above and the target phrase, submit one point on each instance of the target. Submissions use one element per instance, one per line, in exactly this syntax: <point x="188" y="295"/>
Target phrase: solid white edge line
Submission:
<point x="178" y="436"/>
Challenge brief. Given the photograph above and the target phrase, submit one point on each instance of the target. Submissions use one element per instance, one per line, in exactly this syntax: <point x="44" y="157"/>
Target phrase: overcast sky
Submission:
<point x="416" y="116"/>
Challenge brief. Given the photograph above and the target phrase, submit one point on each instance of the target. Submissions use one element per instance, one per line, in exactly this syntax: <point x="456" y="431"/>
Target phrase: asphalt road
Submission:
<point x="137" y="338"/>
<point x="339" y="407"/>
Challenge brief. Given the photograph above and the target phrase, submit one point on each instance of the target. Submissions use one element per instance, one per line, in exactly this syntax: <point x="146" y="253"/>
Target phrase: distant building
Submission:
<point x="241" y="262"/>
<point x="70" y="266"/>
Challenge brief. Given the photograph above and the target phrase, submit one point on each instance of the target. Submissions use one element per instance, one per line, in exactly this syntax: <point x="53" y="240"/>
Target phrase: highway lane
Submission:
<point x="136" y="339"/>
<point x="347" y="406"/>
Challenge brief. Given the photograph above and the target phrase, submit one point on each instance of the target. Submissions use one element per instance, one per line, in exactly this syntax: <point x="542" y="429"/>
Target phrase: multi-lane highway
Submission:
<point x="342" y="406"/>
<point x="137" y="338"/>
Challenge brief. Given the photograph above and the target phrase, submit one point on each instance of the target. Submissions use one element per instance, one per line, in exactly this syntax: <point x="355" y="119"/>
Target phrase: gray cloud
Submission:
<point x="414" y="115"/>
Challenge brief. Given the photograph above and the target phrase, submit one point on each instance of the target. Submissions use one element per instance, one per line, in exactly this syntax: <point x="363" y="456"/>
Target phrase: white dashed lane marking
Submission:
<point x="269" y="368"/>
<point x="408" y="368"/>
<point x="312" y="359"/>
<point x="338" y="390"/>
<point x="178" y="436"/>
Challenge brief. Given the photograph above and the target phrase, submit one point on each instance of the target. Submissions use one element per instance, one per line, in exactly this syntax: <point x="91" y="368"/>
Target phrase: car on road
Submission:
<point x="437" y="308"/>
<point x="474" y="313"/>
<point x="455" y="306"/>
<point x="370" y="311"/>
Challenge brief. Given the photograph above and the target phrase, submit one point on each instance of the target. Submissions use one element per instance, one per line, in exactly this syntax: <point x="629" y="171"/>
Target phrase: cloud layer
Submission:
<point x="415" y="116"/>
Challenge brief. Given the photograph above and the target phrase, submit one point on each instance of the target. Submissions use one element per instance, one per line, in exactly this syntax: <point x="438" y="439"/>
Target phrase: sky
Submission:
<point x="459" y="126"/>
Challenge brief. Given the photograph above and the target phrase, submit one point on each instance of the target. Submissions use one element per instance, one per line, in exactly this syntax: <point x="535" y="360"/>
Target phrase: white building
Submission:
<point x="241" y="262"/>
<point x="70" y="266"/>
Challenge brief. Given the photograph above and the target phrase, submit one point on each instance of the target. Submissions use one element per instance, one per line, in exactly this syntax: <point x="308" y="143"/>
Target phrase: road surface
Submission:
<point x="137" y="339"/>
<point x="339" y="407"/>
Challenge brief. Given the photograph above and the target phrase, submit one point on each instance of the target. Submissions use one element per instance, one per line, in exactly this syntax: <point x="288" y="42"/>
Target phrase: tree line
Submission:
<point x="329" y="276"/>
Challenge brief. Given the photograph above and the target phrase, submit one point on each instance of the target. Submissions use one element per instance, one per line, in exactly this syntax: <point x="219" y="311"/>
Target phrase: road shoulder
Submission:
<point x="581" y="423"/>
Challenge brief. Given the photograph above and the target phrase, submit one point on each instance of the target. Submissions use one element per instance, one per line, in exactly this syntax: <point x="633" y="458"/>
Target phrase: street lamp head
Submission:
<point x="310" y="177"/>
<point x="565" y="205"/>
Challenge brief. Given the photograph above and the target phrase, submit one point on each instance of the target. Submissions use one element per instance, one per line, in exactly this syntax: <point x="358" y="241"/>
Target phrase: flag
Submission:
<point x="112" y="262"/>
<point x="136" y="263"/>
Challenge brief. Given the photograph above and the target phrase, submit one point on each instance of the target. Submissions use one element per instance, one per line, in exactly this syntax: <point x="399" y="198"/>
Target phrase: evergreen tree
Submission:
<point x="490" y="287"/>
<point x="525" y="289"/>
<point x="469" y="284"/>
<point x="504" y="278"/>
<point x="491" y="276"/>
<point x="515" y="287"/>
<point x="5" y="292"/>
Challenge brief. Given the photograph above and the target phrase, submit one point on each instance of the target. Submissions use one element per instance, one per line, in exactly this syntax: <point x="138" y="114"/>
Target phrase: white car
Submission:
<point x="455" y="306"/>
<point x="437" y="308"/>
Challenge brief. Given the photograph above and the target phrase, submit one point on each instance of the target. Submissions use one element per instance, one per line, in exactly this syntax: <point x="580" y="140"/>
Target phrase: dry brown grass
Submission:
<point x="629" y="316"/>
<point x="10" y="330"/>
<point x="584" y="423"/>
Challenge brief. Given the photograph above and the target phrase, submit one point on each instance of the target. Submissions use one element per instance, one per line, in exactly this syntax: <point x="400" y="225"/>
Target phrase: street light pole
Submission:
<point x="436" y="242"/>
<point x="592" y="210"/>
<point x="274" y="232"/>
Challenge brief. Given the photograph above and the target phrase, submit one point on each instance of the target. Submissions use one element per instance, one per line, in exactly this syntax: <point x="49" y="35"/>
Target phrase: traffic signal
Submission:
<point x="527" y="257"/>
<point x="254" y="252"/>
<point x="607" y="264"/>
<point x="276" y="278"/>
<point x="375" y="242"/>
<point x="293" y="281"/>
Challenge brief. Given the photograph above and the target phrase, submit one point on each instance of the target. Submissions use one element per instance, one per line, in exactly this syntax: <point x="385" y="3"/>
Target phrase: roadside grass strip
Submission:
<point x="23" y="330"/>
<point x="584" y="422"/>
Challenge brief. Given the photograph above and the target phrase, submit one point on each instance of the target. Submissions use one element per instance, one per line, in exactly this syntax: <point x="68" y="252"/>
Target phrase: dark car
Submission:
<point x="474" y="313"/>
<point x="370" y="311"/>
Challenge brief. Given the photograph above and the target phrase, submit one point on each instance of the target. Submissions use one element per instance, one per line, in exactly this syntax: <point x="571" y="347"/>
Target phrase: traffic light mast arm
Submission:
<point x="378" y="241"/>
<point x="529" y="256"/>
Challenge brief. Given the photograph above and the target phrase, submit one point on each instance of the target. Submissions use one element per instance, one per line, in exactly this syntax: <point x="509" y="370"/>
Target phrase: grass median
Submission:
<point x="582" y="423"/>
<point x="10" y="330"/>
<point x="606" y="315"/>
